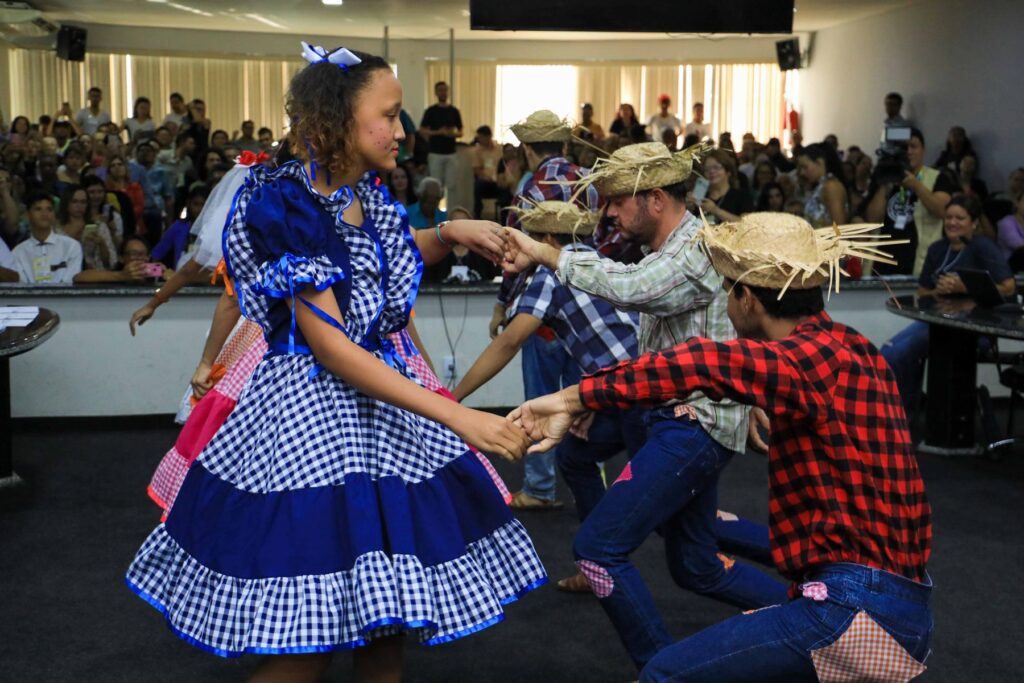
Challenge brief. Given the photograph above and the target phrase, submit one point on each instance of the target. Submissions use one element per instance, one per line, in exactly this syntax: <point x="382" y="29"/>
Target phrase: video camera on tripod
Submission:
<point x="892" y="163"/>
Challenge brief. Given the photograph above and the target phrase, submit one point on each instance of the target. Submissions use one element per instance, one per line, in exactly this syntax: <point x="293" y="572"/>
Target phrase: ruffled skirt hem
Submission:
<point x="379" y="596"/>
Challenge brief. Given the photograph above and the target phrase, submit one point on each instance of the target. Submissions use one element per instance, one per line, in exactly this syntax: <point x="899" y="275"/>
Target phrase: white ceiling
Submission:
<point x="416" y="19"/>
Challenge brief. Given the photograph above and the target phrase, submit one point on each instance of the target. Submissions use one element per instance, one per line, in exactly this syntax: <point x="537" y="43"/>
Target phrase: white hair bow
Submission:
<point x="342" y="57"/>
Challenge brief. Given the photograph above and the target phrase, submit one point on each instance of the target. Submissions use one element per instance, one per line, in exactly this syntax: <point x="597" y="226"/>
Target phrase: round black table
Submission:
<point x="15" y="341"/>
<point x="955" y="326"/>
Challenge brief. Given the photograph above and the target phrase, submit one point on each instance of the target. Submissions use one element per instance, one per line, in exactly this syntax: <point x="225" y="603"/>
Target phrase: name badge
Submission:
<point x="41" y="269"/>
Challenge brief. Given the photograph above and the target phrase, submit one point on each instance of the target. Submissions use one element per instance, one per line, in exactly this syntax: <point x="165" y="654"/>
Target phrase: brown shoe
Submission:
<point x="577" y="583"/>
<point x="524" y="501"/>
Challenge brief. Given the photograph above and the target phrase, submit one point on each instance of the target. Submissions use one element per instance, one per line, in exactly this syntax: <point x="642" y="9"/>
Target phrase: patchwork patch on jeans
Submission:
<point x="865" y="652"/>
<point x="601" y="582"/>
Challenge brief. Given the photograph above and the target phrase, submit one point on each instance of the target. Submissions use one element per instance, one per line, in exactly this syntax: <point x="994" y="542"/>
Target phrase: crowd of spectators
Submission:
<point x="820" y="181"/>
<point x="143" y="178"/>
<point x="83" y="196"/>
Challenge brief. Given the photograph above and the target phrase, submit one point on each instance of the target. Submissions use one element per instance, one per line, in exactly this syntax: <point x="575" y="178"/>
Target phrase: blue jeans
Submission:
<point x="775" y="644"/>
<point x="671" y="486"/>
<point x="611" y="431"/>
<point x="547" y="368"/>
<point x="906" y="354"/>
<point x="745" y="538"/>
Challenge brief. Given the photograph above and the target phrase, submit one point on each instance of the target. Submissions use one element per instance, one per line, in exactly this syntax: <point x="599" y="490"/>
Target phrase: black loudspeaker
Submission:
<point x="788" y="52"/>
<point x="71" y="43"/>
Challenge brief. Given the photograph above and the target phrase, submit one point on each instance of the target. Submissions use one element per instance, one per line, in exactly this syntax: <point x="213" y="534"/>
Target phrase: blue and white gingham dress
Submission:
<point x="319" y="518"/>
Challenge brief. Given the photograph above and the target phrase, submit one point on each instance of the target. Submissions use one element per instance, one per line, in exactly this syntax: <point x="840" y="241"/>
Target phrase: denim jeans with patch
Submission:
<point x="785" y="643"/>
<point x="670" y="486"/>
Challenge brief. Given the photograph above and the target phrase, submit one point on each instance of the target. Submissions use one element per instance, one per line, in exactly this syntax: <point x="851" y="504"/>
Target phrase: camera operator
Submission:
<point x="911" y="209"/>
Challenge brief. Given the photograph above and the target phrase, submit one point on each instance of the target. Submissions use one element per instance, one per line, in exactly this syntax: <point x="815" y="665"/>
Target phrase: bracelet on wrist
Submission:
<point x="437" y="231"/>
<point x="160" y="299"/>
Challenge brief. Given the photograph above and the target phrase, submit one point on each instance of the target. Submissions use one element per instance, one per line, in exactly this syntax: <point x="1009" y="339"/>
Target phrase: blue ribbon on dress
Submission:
<point x="282" y="267"/>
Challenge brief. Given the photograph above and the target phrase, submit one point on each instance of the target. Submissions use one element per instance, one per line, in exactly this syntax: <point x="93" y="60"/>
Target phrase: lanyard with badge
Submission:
<point x="901" y="219"/>
<point x="41" y="271"/>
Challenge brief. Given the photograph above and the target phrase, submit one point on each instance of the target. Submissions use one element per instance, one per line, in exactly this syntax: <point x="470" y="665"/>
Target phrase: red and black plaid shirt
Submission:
<point x="843" y="480"/>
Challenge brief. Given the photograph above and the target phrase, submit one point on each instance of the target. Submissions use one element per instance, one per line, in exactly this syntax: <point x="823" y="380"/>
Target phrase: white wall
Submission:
<point x="956" y="62"/>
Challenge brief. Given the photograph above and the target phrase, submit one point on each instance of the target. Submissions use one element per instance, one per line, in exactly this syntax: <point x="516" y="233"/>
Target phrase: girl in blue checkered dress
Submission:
<point x="339" y="506"/>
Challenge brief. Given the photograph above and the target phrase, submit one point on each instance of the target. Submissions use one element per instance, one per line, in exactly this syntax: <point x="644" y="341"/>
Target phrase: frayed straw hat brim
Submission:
<point x="639" y="167"/>
<point x="780" y="251"/>
<point x="558" y="218"/>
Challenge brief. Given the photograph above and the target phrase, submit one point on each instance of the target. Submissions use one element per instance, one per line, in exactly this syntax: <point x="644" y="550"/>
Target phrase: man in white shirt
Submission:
<point x="92" y="117"/>
<point x="697" y="126"/>
<point x="663" y="120"/>
<point x="46" y="257"/>
<point x="8" y="270"/>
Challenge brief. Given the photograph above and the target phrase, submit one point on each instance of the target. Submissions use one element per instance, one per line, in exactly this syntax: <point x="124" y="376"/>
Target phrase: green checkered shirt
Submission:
<point x="679" y="295"/>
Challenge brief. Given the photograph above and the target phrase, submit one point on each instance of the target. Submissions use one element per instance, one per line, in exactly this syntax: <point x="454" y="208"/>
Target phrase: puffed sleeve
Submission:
<point x="288" y="230"/>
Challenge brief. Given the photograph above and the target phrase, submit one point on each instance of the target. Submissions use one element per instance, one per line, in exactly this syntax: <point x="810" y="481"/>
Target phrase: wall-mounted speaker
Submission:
<point x="71" y="43"/>
<point x="788" y="52"/>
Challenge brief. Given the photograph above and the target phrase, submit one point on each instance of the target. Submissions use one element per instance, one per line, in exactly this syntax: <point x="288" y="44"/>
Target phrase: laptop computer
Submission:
<point x="981" y="287"/>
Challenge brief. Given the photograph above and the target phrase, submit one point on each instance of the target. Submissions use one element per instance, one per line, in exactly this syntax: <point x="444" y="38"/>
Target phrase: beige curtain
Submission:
<point x="601" y="86"/>
<point x="233" y="89"/>
<point x="473" y="89"/>
<point x="747" y="98"/>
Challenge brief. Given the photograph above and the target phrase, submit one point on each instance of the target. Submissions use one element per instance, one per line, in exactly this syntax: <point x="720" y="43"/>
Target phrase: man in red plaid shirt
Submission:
<point x="850" y="523"/>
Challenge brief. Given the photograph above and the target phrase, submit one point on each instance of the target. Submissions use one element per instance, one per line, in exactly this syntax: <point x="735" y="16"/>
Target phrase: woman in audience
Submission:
<point x="133" y="269"/>
<point x="13" y="224"/>
<point x="959" y="248"/>
<point x="20" y="128"/>
<point x="764" y="173"/>
<point x="212" y="159"/>
<point x="425" y="213"/>
<point x="178" y="238"/>
<point x="625" y="124"/>
<point x="725" y="142"/>
<point x="820" y="168"/>
<point x="1011" y="235"/>
<point x="970" y="183"/>
<point x="400" y="186"/>
<point x="141" y="124"/>
<point x="219" y="140"/>
<point x="100" y="210"/>
<point x="119" y="183"/>
<point x="725" y="201"/>
<point x="772" y="197"/>
<point x="1014" y="186"/>
<point x="957" y="146"/>
<point x="70" y="172"/>
<point x="98" y="249"/>
<point x="860" y="189"/>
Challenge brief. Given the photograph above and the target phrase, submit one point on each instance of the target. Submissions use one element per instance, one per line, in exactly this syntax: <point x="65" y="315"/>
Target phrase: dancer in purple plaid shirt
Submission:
<point x="546" y="364"/>
<point x="593" y="332"/>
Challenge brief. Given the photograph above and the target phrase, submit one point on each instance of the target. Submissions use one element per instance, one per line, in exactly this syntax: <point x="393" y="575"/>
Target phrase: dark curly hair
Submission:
<point x="319" y="103"/>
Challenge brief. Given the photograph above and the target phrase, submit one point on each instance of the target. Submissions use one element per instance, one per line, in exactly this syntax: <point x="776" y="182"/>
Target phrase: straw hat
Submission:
<point x="542" y="126"/>
<point x="643" y="166"/>
<point x="558" y="218"/>
<point x="779" y="250"/>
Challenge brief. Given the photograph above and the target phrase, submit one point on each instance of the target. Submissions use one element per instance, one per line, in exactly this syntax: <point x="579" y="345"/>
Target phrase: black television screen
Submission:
<point x="653" y="16"/>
